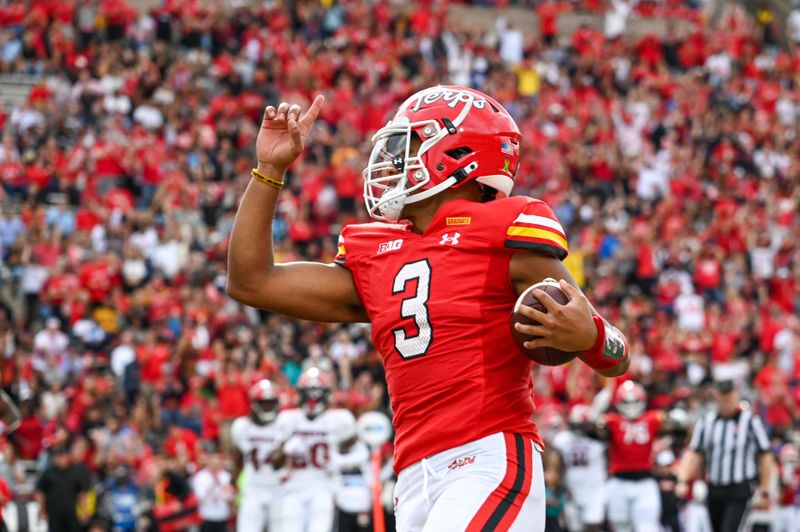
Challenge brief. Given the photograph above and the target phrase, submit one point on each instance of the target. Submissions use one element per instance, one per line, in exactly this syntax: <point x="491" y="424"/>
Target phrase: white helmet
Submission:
<point x="631" y="399"/>
<point x="315" y="390"/>
<point x="263" y="401"/>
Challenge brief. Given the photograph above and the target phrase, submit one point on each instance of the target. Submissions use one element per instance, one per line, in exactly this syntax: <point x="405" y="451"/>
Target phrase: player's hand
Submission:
<point x="761" y="500"/>
<point x="567" y="327"/>
<point x="295" y="447"/>
<point x="282" y="136"/>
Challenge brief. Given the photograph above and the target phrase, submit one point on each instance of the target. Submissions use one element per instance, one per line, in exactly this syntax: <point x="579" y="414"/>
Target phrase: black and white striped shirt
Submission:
<point x="731" y="446"/>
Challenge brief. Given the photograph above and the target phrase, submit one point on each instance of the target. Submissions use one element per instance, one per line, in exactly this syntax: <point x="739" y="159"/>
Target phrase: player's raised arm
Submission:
<point x="307" y="290"/>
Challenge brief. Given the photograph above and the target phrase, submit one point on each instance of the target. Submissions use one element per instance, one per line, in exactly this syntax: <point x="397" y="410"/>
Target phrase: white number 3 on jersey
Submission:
<point x="416" y="306"/>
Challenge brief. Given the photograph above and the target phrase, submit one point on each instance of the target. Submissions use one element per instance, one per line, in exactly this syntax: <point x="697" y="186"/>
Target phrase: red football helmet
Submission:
<point x="315" y="391"/>
<point x="263" y="401"/>
<point x="462" y="134"/>
<point x="631" y="399"/>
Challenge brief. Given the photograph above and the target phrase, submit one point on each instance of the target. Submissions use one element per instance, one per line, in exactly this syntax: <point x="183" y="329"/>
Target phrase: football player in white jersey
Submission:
<point x="257" y="437"/>
<point x="585" y="459"/>
<point x="318" y="434"/>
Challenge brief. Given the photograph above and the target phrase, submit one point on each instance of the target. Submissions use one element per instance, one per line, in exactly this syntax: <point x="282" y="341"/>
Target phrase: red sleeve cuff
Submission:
<point x="609" y="348"/>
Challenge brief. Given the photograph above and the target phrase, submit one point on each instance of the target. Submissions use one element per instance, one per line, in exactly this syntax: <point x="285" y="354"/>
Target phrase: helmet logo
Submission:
<point x="506" y="166"/>
<point x="454" y="97"/>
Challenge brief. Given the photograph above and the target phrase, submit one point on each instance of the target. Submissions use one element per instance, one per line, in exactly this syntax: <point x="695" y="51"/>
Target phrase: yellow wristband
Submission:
<point x="274" y="183"/>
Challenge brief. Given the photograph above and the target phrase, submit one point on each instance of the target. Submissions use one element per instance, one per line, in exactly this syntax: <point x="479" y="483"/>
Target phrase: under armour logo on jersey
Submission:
<point x="452" y="240"/>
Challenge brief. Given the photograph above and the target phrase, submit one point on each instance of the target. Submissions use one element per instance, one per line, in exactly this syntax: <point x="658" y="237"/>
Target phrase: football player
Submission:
<point x="585" y="459"/>
<point x="786" y="519"/>
<point x="438" y="279"/>
<point x="318" y="436"/>
<point x="257" y="438"/>
<point x="634" y="502"/>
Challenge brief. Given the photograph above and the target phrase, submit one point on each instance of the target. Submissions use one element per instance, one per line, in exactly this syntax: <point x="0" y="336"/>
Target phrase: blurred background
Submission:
<point x="664" y="134"/>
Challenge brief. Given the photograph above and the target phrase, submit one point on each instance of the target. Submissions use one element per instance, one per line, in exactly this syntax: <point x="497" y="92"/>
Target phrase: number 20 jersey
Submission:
<point x="321" y="436"/>
<point x="440" y="304"/>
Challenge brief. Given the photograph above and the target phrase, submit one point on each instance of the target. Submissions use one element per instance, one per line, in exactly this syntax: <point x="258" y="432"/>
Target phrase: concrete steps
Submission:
<point x="14" y="89"/>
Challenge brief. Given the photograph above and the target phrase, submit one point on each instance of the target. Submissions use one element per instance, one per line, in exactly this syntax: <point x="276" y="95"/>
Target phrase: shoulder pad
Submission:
<point x="359" y="238"/>
<point x="534" y="227"/>
<point x="238" y="426"/>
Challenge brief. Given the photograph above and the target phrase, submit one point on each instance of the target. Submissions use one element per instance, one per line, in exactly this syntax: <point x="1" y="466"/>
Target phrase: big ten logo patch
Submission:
<point x="392" y="245"/>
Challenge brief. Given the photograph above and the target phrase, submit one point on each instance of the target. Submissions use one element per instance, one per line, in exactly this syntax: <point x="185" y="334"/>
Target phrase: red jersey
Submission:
<point x="440" y="304"/>
<point x="631" y="441"/>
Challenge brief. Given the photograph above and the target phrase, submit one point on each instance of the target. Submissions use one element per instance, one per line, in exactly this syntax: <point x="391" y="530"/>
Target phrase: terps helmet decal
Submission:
<point x="441" y="137"/>
<point x="452" y="96"/>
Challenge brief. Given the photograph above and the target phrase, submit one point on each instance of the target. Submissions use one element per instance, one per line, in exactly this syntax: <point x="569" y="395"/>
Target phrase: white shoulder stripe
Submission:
<point x="540" y="220"/>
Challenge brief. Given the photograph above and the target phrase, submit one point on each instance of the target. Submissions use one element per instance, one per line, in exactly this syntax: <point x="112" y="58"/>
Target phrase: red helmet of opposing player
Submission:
<point x="263" y="401"/>
<point x="441" y="137"/>
<point x="631" y="399"/>
<point x="315" y="391"/>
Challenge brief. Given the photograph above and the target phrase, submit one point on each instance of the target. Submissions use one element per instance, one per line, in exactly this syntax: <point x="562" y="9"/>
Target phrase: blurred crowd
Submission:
<point x="671" y="161"/>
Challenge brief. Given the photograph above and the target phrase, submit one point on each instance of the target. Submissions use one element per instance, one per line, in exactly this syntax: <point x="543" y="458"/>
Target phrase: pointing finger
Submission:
<point x="313" y="111"/>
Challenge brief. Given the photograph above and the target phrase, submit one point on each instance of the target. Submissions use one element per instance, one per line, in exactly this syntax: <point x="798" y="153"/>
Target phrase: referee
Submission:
<point x="733" y="444"/>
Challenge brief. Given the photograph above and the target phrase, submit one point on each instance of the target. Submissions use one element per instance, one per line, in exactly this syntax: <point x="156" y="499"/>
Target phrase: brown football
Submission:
<point x="546" y="356"/>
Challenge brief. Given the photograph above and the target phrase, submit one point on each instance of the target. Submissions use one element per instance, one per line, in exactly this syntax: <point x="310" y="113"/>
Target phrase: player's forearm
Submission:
<point x="689" y="466"/>
<point x="766" y="471"/>
<point x="238" y="465"/>
<point x="615" y="371"/>
<point x="250" y="253"/>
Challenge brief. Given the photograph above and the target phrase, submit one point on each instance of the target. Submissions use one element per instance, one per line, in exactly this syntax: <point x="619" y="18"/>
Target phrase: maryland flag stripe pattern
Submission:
<point x="537" y="233"/>
<point x="340" y="253"/>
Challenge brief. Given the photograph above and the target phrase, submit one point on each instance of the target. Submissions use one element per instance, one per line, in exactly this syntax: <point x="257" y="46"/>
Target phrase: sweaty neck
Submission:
<point x="421" y="214"/>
